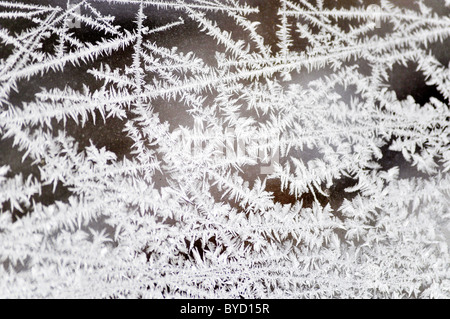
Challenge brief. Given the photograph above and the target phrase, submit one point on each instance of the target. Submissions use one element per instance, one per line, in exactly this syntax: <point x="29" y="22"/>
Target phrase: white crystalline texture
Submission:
<point x="222" y="149"/>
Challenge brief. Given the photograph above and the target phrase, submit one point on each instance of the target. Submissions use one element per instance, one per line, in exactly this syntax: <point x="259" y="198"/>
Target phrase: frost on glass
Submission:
<point x="206" y="148"/>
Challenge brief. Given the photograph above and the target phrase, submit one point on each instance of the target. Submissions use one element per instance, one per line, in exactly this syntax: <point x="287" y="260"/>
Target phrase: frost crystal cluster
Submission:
<point x="224" y="148"/>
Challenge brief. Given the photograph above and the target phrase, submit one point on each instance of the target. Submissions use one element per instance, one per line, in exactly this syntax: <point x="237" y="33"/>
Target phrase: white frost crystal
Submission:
<point x="265" y="159"/>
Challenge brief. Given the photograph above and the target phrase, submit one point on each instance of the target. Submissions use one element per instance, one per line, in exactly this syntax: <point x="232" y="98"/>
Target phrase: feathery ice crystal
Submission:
<point x="217" y="148"/>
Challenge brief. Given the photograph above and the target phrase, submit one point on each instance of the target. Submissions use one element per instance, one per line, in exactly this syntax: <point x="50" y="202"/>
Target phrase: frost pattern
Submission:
<point x="160" y="220"/>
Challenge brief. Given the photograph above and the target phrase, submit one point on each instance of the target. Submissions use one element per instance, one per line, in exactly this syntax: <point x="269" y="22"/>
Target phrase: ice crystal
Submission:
<point x="206" y="148"/>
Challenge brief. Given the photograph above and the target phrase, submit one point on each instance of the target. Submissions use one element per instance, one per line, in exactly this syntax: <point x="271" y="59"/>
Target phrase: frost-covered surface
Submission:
<point x="147" y="129"/>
